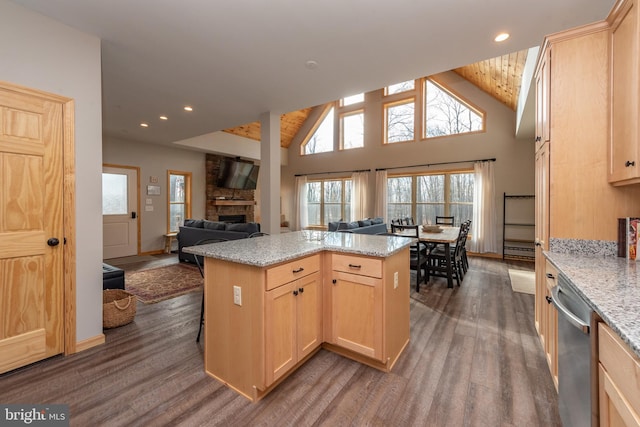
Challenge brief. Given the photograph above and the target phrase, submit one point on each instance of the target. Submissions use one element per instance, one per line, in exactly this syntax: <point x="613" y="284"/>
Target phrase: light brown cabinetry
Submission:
<point x="288" y="311"/>
<point x="366" y="315"/>
<point x="551" y="323"/>
<point x="293" y="324"/>
<point x="543" y="133"/>
<point x="619" y="381"/>
<point x="624" y="146"/>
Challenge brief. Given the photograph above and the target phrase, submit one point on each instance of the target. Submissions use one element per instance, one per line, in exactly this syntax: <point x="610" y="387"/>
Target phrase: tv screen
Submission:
<point x="237" y="174"/>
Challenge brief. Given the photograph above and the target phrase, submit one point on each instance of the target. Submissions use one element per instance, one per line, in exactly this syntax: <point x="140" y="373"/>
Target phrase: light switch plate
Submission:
<point x="395" y="280"/>
<point x="237" y="295"/>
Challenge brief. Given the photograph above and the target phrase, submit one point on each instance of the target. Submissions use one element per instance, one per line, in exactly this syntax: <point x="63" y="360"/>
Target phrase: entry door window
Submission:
<point x="179" y="199"/>
<point x="114" y="194"/>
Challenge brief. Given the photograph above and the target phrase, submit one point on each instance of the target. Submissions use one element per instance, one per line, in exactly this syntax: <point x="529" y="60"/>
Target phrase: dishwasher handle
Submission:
<point x="572" y="318"/>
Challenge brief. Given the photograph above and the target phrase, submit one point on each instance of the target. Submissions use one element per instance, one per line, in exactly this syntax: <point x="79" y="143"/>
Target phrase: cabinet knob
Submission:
<point x="548" y="298"/>
<point x="301" y="290"/>
<point x="295" y="293"/>
<point x="538" y="139"/>
<point x="334" y="281"/>
<point x="629" y="163"/>
<point x="550" y="276"/>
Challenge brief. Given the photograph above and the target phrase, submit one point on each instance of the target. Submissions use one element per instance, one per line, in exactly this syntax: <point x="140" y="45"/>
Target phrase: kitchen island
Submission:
<point x="272" y="302"/>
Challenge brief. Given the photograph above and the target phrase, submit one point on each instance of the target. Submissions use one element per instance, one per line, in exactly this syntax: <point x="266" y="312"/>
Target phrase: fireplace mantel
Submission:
<point x="220" y="202"/>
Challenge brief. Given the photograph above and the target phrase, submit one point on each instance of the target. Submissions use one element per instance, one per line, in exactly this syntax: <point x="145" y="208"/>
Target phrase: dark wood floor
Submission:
<point x="474" y="360"/>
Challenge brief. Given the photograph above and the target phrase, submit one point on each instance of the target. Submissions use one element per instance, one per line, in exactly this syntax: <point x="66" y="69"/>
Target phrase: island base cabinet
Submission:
<point x="293" y="324"/>
<point x="366" y="309"/>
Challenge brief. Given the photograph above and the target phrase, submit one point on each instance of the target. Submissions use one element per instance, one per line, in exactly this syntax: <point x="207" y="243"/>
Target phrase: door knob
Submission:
<point x="134" y="215"/>
<point x="53" y="242"/>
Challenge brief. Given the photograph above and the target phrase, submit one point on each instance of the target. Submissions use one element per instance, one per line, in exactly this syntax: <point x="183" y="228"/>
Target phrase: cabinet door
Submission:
<point x="624" y="163"/>
<point x="615" y="410"/>
<point x="309" y="314"/>
<point x="542" y="234"/>
<point x="543" y="130"/>
<point x="357" y="313"/>
<point x="280" y="331"/>
<point x="551" y="341"/>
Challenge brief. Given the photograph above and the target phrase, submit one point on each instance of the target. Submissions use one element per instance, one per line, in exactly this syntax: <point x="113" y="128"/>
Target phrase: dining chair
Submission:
<point x="437" y="264"/>
<point x="418" y="251"/>
<point x="445" y="220"/>
<point x="408" y="221"/>
<point x="200" y="263"/>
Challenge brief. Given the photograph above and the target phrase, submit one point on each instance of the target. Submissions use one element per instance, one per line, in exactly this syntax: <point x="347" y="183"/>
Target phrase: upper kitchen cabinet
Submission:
<point x="543" y="133"/>
<point x="624" y="148"/>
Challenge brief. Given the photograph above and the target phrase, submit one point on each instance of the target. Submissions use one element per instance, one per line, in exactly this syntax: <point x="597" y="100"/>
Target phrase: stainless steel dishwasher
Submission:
<point x="574" y="355"/>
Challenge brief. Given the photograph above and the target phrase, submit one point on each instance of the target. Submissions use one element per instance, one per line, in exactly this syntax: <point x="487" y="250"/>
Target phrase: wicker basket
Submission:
<point x="118" y="308"/>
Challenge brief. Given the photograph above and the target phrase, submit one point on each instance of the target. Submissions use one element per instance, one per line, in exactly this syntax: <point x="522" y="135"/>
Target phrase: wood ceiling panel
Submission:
<point x="290" y="124"/>
<point x="500" y="77"/>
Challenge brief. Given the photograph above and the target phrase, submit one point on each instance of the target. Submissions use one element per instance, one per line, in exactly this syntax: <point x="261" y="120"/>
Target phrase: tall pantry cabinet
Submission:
<point x="573" y="197"/>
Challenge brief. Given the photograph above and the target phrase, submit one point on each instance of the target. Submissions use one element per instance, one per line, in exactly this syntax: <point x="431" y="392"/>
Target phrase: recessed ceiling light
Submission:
<point x="144" y="125"/>
<point x="501" y="37"/>
<point x="164" y="118"/>
<point x="188" y="108"/>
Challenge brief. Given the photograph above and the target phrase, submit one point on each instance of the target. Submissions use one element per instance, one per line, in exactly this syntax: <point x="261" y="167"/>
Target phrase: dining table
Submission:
<point x="446" y="237"/>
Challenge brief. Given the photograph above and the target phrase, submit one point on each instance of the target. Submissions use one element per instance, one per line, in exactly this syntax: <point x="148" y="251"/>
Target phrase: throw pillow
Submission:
<point x="352" y="225"/>
<point x="214" y="225"/>
<point x="245" y="227"/>
<point x="195" y="223"/>
<point x="377" y="221"/>
<point x="364" y="222"/>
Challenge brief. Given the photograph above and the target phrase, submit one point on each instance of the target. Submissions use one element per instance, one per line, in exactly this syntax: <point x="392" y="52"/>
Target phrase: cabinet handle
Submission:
<point x="550" y="276"/>
<point x="548" y="298"/>
<point x="301" y="290"/>
<point x="298" y="270"/>
<point x="296" y="293"/>
<point x="538" y="244"/>
<point x="629" y="163"/>
<point x="354" y="266"/>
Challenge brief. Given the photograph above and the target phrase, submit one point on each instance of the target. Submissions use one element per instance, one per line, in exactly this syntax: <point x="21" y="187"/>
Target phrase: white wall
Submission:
<point x="43" y="54"/>
<point x="514" y="166"/>
<point x="156" y="160"/>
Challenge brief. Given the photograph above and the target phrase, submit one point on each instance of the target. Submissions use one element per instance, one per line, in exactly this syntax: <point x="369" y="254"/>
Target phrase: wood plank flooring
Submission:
<point x="474" y="360"/>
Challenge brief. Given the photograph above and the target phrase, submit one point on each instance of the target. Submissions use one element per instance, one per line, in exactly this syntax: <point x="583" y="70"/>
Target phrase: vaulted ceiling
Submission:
<point x="233" y="61"/>
<point x="500" y="77"/>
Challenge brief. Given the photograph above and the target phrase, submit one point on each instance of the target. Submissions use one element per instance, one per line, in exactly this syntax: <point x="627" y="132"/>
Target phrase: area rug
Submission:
<point x="129" y="260"/>
<point x="159" y="284"/>
<point x="523" y="281"/>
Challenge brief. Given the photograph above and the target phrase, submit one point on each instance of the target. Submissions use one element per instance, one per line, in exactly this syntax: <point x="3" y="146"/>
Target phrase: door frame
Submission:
<point x="137" y="169"/>
<point x="69" y="206"/>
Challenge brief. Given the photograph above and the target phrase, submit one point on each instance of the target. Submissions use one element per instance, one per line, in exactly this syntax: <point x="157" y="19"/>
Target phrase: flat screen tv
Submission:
<point x="237" y="174"/>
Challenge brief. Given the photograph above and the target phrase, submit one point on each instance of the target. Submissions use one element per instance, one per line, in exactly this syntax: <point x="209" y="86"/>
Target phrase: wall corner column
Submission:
<point x="270" y="172"/>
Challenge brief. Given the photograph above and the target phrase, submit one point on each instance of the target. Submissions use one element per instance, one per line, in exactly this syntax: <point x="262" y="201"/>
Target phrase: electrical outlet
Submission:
<point x="237" y="295"/>
<point x="395" y="280"/>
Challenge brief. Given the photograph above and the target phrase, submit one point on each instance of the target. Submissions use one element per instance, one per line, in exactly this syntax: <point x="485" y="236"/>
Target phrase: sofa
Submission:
<point x="364" y="226"/>
<point x="194" y="230"/>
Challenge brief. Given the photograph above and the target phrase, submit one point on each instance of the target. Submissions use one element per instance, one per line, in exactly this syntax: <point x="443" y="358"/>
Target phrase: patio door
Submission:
<point x="119" y="211"/>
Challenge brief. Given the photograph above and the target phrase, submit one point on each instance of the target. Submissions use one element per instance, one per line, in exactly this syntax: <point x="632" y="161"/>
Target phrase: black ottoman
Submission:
<point x="112" y="277"/>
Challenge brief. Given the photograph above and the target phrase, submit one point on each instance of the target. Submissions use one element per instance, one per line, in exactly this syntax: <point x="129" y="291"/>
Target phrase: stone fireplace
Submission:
<point x="223" y="202"/>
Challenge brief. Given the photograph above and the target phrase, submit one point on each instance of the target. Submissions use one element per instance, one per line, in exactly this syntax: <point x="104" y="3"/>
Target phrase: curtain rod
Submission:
<point x="435" y="164"/>
<point x="324" y="173"/>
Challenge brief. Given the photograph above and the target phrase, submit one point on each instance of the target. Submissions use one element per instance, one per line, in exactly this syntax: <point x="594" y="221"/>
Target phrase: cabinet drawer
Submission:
<point x="622" y="365"/>
<point x="371" y="267"/>
<point x="285" y="273"/>
<point x="551" y="273"/>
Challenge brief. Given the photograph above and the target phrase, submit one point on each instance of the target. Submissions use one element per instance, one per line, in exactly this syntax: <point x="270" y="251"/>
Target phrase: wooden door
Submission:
<point x="119" y="211"/>
<point x="31" y="215"/>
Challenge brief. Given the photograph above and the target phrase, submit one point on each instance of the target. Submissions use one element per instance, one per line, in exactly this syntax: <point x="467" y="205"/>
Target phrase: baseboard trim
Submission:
<point x="90" y="343"/>
<point x="158" y="252"/>
<point x="485" y="255"/>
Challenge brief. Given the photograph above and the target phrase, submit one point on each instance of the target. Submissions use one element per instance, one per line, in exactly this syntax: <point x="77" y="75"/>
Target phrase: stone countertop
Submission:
<point x="265" y="251"/>
<point x="611" y="287"/>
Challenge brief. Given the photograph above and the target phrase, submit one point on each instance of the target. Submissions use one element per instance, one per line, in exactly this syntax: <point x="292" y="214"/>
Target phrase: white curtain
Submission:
<point x="381" y="195"/>
<point x="359" y="189"/>
<point x="301" y="213"/>
<point x="483" y="227"/>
